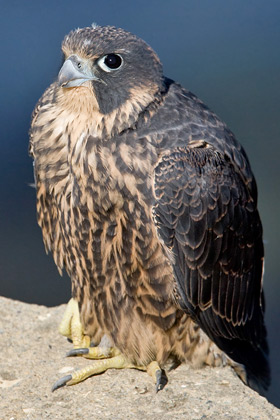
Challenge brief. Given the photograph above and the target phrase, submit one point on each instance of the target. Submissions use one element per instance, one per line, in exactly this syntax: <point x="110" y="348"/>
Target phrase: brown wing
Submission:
<point x="207" y="217"/>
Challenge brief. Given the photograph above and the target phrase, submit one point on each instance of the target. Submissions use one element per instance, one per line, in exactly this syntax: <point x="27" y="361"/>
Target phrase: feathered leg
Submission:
<point x="106" y="357"/>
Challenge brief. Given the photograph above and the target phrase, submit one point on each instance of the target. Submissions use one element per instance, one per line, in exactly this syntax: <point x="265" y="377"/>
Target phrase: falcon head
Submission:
<point x="118" y="69"/>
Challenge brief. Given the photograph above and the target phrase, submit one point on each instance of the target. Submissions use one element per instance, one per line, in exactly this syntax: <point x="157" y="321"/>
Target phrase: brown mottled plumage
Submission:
<point x="149" y="202"/>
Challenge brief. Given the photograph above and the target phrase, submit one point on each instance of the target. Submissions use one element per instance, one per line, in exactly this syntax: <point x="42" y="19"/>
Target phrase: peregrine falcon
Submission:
<point x="148" y="201"/>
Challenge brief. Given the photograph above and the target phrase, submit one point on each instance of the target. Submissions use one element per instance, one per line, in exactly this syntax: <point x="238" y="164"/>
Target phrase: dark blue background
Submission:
<point x="226" y="52"/>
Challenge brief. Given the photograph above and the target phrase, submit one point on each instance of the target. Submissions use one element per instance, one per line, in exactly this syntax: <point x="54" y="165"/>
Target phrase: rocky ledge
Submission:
<point x="32" y="359"/>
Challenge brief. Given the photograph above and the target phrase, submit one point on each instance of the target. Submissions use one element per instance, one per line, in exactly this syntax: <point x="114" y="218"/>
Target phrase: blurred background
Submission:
<point x="226" y="52"/>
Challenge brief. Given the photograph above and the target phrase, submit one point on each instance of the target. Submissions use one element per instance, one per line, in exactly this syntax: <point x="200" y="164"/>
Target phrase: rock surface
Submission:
<point x="32" y="359"/>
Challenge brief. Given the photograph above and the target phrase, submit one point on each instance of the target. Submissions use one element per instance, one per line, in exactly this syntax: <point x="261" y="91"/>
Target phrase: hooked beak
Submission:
<point x="74" y="72"/>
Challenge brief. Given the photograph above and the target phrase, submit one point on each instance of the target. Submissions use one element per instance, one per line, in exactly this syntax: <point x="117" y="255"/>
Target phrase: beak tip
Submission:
<point x="70" y="76"/>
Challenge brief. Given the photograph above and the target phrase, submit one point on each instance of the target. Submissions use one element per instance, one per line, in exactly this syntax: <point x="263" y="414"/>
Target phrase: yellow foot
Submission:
<point x="71" y="326"/>
<point x="99" y="366"/>
<point x="94" y="352"/>
<point x="113" y="360"/>
<point x="116" y="362"/>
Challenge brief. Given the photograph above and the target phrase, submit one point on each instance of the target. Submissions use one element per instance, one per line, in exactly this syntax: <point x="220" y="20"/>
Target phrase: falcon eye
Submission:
<point x="110" y="62"/>
<point x="113" y="61"/>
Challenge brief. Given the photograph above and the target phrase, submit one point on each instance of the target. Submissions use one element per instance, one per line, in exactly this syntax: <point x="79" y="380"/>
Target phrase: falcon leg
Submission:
<point x="105" y="357"/>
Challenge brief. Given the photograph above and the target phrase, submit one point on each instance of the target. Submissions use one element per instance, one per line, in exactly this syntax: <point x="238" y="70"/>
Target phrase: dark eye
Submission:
<point x="113" y="61"/>
<point x="110" y="62"/>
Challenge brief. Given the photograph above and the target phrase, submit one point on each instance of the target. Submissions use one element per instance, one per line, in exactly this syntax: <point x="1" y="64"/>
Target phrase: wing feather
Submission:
<point x="207" y="217"/>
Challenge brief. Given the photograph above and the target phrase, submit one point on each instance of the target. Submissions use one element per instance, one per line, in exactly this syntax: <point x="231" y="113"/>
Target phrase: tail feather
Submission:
<point x="251" y="354"/>
<point x="253" y="360"/>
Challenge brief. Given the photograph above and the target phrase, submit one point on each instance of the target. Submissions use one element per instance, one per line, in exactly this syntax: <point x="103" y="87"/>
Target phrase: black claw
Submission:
<point x="70" y="340"/>
<point x="61" y="382"/>
<point x="77" y="352"/>
<point x="161" y="380"/>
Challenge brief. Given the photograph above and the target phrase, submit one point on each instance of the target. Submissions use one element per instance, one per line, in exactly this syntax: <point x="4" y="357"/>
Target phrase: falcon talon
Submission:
<point x="77" y="352"/>
<point x="161" y="380"/>
<point x="149" y="202"/>
<point x="61" y="382"/>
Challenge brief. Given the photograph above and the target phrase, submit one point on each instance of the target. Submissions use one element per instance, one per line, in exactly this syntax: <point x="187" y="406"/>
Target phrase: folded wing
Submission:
<point x="207" y="217"/>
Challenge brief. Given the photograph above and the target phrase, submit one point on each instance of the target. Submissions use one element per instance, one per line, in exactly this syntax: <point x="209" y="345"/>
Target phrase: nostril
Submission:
<point x="79" y="65"/>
